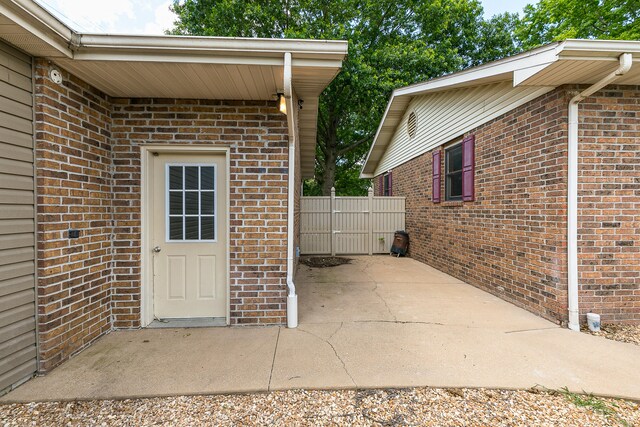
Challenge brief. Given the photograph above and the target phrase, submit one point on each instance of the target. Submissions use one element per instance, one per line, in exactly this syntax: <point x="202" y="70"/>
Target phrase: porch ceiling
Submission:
<point x="136" y="79"/>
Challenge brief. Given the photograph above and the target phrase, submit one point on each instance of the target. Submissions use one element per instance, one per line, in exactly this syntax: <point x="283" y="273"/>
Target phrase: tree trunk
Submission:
<point x="329" y="177"/>
<point x="330" y="153"/>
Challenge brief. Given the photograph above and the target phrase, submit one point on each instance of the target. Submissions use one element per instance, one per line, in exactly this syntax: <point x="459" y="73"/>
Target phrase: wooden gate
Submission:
<point x="349" y="225"/>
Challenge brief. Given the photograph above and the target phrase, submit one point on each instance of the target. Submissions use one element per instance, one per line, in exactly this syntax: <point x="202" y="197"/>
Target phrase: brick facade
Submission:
<point x="73" y="158"/>
<point x="609" y="201"/>
<point x="511" y="241"/>
<point x="88" y="175"/>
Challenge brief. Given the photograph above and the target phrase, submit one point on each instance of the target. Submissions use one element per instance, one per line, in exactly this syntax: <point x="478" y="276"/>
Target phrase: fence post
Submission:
<point x="333" y="221"/>
<point x="370" y="220"/>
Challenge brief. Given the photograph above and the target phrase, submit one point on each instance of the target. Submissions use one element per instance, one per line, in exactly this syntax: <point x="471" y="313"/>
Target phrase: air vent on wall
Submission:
<point x="412" y="125"/>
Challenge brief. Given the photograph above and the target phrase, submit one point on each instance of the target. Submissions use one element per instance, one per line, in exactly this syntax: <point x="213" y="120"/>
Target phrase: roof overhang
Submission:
<point x="553" y="65"/>
<point x="30" y="27"/>
<point x="137" y="66"/>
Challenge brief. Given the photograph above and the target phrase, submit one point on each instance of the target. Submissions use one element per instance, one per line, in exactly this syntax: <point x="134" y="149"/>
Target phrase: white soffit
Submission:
<point x="308" y="129"/>
<point x="31" y="28"/>
<point x="582" y="70"/>
<point x="567" y="62"/>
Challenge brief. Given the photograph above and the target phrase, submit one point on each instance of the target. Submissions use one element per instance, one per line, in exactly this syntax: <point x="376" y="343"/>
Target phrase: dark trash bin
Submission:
<point x="400" y="243"/>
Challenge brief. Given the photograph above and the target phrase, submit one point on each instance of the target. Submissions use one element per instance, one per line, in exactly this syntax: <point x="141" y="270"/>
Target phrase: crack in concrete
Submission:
<point x="401" y="322"/>
<point x="344" y="366"/>
<point x="273" y="361"/>
<point x="531" y="330"/>
<point x="375" y="291"/>
<point x="336" y="331"/>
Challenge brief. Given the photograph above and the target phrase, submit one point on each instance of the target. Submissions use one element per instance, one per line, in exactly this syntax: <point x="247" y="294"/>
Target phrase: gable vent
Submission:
<point x="412" y="125"/>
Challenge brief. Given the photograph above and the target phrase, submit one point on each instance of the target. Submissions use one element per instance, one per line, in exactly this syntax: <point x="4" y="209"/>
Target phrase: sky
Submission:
<point x="153" y="16"/>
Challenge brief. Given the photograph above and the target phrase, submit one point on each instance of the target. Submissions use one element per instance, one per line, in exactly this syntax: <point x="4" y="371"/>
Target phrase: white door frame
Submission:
<point x="146" y="258"/>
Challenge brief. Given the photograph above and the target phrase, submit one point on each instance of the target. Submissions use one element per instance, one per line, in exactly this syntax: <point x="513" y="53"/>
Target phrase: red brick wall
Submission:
<point x="257" y="135"/>
<point x="609" y="192"/>
<point x="73" y="155"/>
<point x="511" y="241"/>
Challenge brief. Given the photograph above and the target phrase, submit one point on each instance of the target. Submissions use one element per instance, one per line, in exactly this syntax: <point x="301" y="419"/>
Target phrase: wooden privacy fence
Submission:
<point x="349" y="225"/>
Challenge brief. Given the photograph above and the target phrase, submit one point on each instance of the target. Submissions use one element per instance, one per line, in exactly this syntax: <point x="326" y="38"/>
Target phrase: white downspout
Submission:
<point x="572" y="193"/>
<point x="292" y="298"/>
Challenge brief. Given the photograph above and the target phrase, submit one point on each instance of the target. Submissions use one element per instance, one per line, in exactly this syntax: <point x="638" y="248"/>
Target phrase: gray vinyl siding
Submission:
<point x="17" y="220"/>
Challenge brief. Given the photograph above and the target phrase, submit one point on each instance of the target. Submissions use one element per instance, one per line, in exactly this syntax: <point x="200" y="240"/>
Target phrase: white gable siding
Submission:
<point x="445" y="115"/>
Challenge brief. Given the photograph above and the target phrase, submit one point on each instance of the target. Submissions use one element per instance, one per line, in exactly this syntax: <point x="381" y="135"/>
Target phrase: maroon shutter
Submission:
<point x="390" y="183"/>
<point x="381" y="185"/>
<point x="435" y="190"/>
<point x="468" y="168"/>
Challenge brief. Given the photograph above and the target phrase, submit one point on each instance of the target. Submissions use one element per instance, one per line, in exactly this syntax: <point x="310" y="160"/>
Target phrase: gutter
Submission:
<point x="330" y="50"/>
<point x="626" y="60"/>
<point x="292" y="298"/>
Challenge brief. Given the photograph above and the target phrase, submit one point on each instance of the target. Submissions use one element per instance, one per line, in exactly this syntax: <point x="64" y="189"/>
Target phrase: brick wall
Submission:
<point x="609" y="192"/>
<point x="257" y="136"/>
<point x="511" y="241"/>
<point x="74" y="188"/>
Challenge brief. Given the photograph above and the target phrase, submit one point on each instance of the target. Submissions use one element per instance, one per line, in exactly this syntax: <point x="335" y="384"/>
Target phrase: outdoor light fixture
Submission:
<point x="55" y="75"/>
<point x="282" y="103"/>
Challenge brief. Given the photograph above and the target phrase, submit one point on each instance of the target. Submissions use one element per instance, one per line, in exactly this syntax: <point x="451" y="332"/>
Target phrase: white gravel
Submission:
<point x="624" y="333"/>
<point x="390" y="407"/>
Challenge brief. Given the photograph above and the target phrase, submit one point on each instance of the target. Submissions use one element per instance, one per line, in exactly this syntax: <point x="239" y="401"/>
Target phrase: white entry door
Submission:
<point x="189" y="236"/>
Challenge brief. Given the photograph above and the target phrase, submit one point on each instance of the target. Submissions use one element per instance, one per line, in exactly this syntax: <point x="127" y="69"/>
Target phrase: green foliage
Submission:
<point x="391" y="44"/>
<point x="554" y="20"/>
<point x="347" y="183"/>
<point x="596" y="404"/>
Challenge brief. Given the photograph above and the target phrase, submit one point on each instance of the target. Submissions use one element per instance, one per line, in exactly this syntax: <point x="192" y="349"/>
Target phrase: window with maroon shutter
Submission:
<point x="435" y="189"/>
<point x="468" y="168"/>
<point x="380" y="185"/>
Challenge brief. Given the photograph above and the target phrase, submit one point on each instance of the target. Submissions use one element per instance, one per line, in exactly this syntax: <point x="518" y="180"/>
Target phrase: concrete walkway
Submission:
<point x="378" y="322"/>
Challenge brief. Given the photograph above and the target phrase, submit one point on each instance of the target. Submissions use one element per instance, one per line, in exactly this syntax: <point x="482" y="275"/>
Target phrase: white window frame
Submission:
<point x="167" y="213"/>
<point x="447" y="187"/>
<point x="386" y="188"/>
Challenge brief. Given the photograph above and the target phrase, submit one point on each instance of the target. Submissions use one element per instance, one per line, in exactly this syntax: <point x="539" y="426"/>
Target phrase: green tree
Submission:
<point x="553" y="20"/>
<point x="391" y="44"/>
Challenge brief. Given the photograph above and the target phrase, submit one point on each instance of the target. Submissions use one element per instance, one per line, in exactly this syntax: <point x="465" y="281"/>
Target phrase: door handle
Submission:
<point x="157" y="249"/>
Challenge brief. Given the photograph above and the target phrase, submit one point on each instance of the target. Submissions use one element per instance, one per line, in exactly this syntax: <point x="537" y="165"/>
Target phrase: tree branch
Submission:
<point x="322" y="147"/>
<point x="353" y="146"/>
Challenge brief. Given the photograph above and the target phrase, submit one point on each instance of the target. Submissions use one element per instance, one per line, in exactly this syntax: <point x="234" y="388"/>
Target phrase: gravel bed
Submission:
<point x="415" y="406"/>
<point x="624" y="333"/>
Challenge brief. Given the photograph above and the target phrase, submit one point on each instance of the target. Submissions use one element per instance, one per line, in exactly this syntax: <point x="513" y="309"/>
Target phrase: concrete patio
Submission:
<point x="377" y="322"/>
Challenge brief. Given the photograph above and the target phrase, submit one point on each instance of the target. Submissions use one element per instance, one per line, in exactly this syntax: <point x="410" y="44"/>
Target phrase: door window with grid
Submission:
<point x="191" y="203"/>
